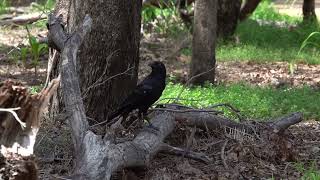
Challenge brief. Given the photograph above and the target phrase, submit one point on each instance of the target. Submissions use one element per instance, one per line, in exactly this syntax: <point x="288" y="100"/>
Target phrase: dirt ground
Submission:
<point x="54" y="152"/>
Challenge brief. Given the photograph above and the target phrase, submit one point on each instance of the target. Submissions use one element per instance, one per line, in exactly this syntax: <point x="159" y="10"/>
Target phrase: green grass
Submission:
<point x="3" y="5"/>
<point x="267" y="43"/>
<point x="308" y="172"/>
<point x="35" y="89"/>
<point x="253" y="102"/>
<point x="267" y="11"/>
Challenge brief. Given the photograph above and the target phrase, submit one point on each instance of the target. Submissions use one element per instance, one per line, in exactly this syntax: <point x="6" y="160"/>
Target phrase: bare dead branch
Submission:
<point x="187" y="110"/>
<point x="15" y="115"/>
<point x="285" y="122"/>
<point x="97" y="83"/>
<point x="70" y="84"/>
<point x="222" y="154"/>
<point x="52" y="60"/>
<point x="21" y="20"/>
<point x="56" y="36"/>
<point x="167" y="149"/>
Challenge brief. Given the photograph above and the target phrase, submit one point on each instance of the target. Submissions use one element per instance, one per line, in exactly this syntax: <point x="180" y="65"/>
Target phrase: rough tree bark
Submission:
<point x="308" y="10"/>
<point x="112" y="47"/>
<point x="202" y="67"/>
<point x="248" y="8"/>
<point x="109" y="57"/>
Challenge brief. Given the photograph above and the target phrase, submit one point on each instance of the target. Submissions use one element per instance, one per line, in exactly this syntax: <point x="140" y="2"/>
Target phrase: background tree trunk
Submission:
<point x="308" y="10"/>
<point x="111" y="48"/>
<point x="202" y="66"/>
<point x="248" y="8"/>
<point x="228" y="15"/>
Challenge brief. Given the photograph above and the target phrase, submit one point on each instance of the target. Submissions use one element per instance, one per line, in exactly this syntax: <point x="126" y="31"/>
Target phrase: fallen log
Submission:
<point x="22" y="20"/>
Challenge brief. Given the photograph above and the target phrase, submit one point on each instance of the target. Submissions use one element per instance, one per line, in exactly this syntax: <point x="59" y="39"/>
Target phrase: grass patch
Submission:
<point x="267" y="11"/>
<point x="253" y="102"/>
<point x="3" y="6"/>
<point x="309" y="172"/>
<point x="35" y="89"/>
<point x="268" y="43"/>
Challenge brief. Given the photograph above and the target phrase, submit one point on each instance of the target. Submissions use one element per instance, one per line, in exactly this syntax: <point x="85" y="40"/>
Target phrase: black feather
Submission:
<point x="145" y="94"/>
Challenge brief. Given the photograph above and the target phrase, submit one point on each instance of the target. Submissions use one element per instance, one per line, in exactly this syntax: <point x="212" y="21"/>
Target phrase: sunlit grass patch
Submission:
<point x="252" y="101"/>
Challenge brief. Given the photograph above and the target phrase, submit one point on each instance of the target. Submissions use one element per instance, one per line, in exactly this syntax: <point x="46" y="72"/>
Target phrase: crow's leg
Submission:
<point x="150" y="126"/>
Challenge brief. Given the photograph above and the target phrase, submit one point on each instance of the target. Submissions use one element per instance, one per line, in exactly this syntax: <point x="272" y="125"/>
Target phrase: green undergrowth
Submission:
<point x="269" y="41"/>
<point x="276" y="37"/>
<point x="253" y="102"/>
<point x="266" y="43"/>
<point x="3" y="6"/>
<point x="310" y="172"/>
<point x="267" y="11"/>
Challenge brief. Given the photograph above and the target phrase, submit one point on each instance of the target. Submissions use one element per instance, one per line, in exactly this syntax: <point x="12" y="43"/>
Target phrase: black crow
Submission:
<point x="145" y="94"/>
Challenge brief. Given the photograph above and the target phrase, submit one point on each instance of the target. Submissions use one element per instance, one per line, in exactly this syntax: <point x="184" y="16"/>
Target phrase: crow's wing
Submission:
<point x="138" y="97"/>
<point x="142" y="96"/>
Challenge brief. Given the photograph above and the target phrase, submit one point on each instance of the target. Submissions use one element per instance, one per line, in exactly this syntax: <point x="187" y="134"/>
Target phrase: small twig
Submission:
<point x="235" y="110"/>
<point x="52" y="60"/>
<point x="190" y="138"/>
<point x="96" y="84"/>
<point x="223" y="155"/>
<point x="176" y="105"/>
<point x="189" y="81"/>
<point x="167" y="149"/>
<point x="12" y="111"/>
<point x="104" y="71"/>
<point x="188" y="110"/>
<point x="180" y="99"/>
<point x="59" y="177"/>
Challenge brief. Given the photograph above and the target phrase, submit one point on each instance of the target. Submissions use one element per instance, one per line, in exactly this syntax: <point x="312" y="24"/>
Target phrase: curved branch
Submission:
<point x="69" y="83"/>
<point x="11" y="110"/>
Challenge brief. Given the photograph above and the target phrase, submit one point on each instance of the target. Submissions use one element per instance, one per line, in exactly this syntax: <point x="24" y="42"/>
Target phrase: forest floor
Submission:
<point x="55" y="153"/>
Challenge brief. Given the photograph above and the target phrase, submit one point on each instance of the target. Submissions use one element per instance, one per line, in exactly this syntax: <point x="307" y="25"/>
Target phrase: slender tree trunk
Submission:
<point x="202" y="66"/>
<point x="248" y="8"/>
<point x="109" y="57"/>
<point x="228" y="15"/>
<point x="308" y="10"/>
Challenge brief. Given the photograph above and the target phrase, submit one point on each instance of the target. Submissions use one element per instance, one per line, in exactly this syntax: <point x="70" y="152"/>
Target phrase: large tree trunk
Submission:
<point x="202" y="66"/>
<point x="308" y="10"/>
<point x="109" y="50"/>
